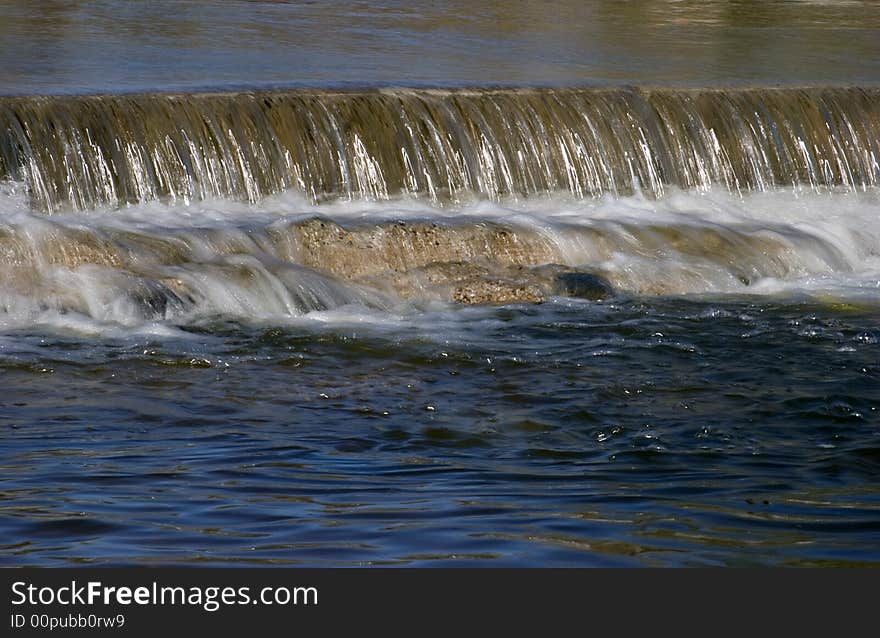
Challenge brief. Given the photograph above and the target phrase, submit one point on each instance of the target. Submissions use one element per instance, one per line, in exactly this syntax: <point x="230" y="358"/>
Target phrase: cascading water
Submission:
<point x="562" y="166"/>
<point x="82" y="152"/>
<point x="325" y="306"/>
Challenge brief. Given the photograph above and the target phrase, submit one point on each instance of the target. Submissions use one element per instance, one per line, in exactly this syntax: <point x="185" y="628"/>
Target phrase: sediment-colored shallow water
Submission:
<point x="554" y="323"/>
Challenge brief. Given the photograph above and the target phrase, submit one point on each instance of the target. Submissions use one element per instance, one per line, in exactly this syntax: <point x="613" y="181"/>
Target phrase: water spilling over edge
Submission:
<point x="276" y="204"/>
<point x="77" y="153"/>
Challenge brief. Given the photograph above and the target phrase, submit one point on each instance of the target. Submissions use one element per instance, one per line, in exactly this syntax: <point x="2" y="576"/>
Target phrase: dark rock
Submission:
<point x="582" y="285"/>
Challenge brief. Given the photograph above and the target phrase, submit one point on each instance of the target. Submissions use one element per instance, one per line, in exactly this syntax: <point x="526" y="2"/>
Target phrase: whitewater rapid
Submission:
<point x="162" y="266"/>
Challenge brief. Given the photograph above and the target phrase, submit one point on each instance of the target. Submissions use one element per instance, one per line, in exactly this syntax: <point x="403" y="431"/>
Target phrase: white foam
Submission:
<point x="785" y="242"/>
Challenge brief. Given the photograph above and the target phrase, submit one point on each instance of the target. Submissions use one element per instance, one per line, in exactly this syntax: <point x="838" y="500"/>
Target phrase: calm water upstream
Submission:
<point x="462" y="283"/>
<point x="72" y="46"/>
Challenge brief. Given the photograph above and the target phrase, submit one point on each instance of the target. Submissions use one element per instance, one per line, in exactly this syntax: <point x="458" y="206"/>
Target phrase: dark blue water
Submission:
<point x="626" y="432"/>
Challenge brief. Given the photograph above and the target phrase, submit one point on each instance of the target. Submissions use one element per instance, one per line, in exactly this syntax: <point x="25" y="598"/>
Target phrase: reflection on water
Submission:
<point x="75" y="46"/>
<point x="620" y="433"/>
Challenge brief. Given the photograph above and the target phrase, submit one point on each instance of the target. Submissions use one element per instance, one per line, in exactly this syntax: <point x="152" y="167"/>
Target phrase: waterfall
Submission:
<point x="78" y="153"/>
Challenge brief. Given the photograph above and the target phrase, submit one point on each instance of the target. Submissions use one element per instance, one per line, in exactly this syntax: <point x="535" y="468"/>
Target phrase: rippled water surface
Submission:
<point x="344" y="323"/>
<point x="628" y="432"/>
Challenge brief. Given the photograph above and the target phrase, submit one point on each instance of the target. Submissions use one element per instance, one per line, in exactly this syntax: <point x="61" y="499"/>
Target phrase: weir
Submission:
<point x="78" y="153"/>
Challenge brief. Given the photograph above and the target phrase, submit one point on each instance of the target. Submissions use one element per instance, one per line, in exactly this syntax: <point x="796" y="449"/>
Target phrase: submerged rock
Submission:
<point x="482" y="282"/>
<point x="288" y="267"/>
<point x="497" y="292"/>
<point x="154" y="299"/>
<point x="583" y="285"/>
<point x="483" y="263"/>
<point x="403" y="246"/>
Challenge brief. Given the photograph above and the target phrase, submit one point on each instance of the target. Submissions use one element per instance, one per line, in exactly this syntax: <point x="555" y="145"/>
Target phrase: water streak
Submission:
<point x="448" y="145"/>
<point x="166" y="263"/>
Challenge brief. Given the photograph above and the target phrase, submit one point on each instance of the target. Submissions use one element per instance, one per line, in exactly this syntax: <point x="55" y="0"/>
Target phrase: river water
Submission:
<point x="477" y="284"/>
